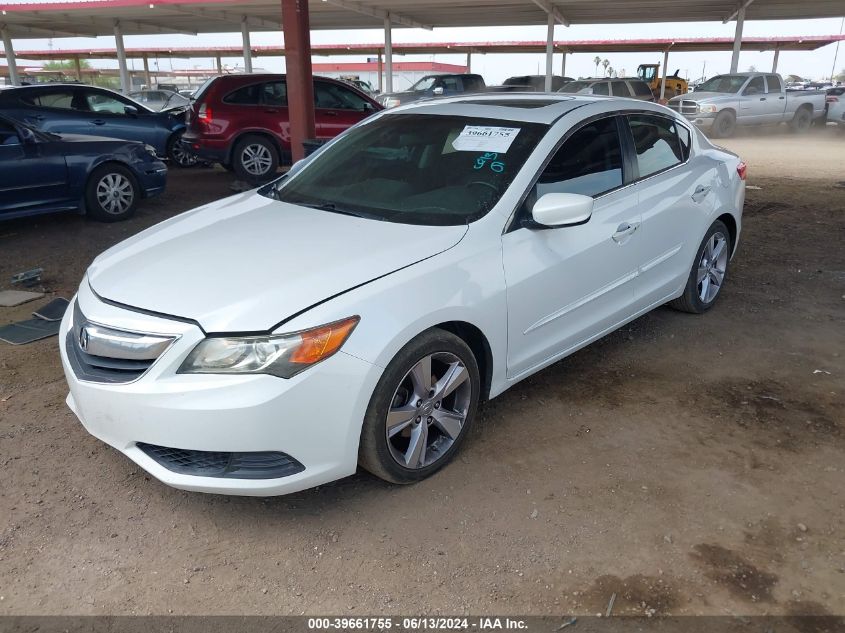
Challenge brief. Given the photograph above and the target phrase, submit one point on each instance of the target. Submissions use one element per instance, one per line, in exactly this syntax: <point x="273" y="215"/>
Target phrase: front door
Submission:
<point x="568" y="285"/>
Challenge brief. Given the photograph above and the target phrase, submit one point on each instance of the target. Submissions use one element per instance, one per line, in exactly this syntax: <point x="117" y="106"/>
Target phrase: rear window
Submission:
<point x="640" y="88"/>
<point x="620" y="89"/>
<point x="245" y="95"/>
<point x="601" y="88"/>
<point x="54" y="99"/>
<point x="656" y="142"/>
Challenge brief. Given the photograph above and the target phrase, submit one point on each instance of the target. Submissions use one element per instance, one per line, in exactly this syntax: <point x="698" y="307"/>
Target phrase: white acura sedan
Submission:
<point x="357" y="310"/>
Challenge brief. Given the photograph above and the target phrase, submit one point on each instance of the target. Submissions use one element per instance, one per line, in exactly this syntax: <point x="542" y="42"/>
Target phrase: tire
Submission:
<point x="255" y="159"/>
<point x="724" y="126"/>
<point x="401" y="419"/>
<point x="801" y="121"/>
<point x="696" y="298"/>
<point x="112" y="193"/>
<point x="178" y="154"/>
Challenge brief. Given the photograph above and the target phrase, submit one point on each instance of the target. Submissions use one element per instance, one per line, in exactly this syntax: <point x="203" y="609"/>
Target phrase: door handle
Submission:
<point x="271" y="111"/>
<point x="700" y="193"/>
<point x="762" y="98"/>
<point x="98" y="122"/>
<point x="623" y="231"/>
<point x="330" y="113"/>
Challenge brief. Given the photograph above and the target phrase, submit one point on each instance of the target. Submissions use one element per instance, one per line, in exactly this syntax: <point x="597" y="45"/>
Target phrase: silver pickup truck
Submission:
<point x="722" y="102"/>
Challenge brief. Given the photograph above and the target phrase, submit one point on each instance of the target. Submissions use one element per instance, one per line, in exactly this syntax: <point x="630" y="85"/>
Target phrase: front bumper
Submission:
<point x="701" y="120"/>
<point x="315" y="417"/>
<point x="152" y="178"/>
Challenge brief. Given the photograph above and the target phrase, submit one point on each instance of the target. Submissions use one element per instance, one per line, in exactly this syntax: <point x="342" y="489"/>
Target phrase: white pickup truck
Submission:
<point x="722" y="102"/>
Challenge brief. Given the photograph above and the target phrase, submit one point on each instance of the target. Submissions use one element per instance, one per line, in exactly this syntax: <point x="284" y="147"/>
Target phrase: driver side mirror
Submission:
<point x="438" y="91"/>
<point x="130" y="110"/>
<point x="27" y="136"/>
<point x="562" y="209"/>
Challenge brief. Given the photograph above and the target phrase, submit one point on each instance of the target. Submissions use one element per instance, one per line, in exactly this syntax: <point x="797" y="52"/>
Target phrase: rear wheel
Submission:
<point x="708" y="273"/>
<point x="112" y="194"/>
<point x="724" y="126"/>
<point x="802" y="120"/>
<point x="422" y="408"/>
<point x="255" y="159"/>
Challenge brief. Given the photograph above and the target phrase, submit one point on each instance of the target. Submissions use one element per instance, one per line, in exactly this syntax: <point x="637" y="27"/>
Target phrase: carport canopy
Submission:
<point x="147" y="17"/>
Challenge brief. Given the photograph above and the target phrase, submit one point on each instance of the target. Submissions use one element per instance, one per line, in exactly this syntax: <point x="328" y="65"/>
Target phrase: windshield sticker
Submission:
<point x="483" y="138"/>
<point x="490" y="158"/>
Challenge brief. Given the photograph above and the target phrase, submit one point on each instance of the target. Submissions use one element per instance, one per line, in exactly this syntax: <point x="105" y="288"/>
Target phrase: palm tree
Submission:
<point x="597" y="61"/>
<point x="605" y="63"/>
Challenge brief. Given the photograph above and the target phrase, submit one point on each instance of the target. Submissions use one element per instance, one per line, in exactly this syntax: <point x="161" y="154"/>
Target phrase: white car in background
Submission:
<point x="358" y="310"/>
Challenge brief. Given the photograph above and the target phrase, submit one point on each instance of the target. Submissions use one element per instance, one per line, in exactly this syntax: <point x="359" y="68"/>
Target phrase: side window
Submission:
<point x="450" y="84"/>
<point x="656" y="142"/>
<point x="600" y="88"/>
<point x="620" y="89"/>
<point x="773" y="84"/>
<point x="101" y="102"/>
<point x="589" y="162"/>
<point x="641" y="88"/>
<point x="334" y="97"/>
<point x="62" y="99"/>
<point x="755" y="87"/>
<point x="275" y="93"/>
<point x="246" y="95"/>
<point x="685" y="138"/>
<point x="8" y="135"/>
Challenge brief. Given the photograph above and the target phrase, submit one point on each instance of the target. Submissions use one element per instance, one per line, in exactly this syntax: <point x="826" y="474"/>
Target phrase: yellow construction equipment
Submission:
<point x="675" y="85"/>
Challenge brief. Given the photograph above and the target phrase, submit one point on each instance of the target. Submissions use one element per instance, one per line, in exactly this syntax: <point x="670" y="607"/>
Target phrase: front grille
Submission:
<point x="254" y="465"/>
<point x="115" y="368"/>
<point x="687" y="108"/>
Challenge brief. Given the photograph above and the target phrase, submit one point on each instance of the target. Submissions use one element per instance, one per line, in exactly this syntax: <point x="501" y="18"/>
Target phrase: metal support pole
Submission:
<point x="78" y="67"/>
<point x="300" y="80"/>
<point x="469" y="61"/>
<point x="247" y="46"/>
<point x="147" y="78"/>
<point x="219" y="62"/>
<point x="125" y="83"/>
<point x="14" y="78"/>
<point x="380" y="73"/>
<point x="388" y="55"/>
<point x="563" y="65"/>
<point x="775" y="60"/>
<point x="550" y="49"/>
<point x="740" y="21"/>
<point x="665" y="72"/>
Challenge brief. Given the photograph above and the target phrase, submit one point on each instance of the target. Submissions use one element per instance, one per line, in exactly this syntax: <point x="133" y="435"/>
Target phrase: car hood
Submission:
<point x="247" y="263"/>
<point x="704" y="96"/>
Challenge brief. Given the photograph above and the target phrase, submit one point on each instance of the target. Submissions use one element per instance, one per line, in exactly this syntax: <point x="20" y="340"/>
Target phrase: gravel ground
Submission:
<point x="689" y="464"/>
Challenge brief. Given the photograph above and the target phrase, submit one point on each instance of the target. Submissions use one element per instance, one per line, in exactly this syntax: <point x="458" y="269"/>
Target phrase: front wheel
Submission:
<point x="179" y="154"/>
<point x="111" y="194"/>
<point x="708" y="273"/>
<point x="422" y="408"/>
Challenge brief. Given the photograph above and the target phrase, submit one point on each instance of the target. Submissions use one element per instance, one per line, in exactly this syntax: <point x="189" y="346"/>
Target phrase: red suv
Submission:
<point x="241" y="121"/>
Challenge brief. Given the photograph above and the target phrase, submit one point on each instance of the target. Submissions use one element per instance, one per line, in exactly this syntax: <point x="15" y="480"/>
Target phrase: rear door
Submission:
<point x="54" y="110"/>
<point x="568" y="285"/>
<point x="31" y="176"/>
<point x="675" y="194"/>
<point x="337" y="108"/>
<point x="775" y="102"/>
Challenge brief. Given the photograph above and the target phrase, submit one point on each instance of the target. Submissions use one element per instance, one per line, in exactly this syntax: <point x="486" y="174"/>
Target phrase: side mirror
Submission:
<point x="130" y="110"/>
<point x="27" y="136"/>
<point x="368" y="107"/>
<point x="562" y="209"/>
<point x="438" y="91"/>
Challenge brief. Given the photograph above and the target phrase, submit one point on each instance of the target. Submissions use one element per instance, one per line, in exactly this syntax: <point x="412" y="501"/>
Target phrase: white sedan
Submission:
<point x="356" y="311"/>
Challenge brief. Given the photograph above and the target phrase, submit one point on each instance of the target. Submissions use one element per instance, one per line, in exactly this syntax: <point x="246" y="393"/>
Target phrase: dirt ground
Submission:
<point x="689" y="464"/>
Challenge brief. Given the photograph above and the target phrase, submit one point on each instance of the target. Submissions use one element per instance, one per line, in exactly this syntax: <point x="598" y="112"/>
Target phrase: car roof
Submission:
<point x="530" y="107"/>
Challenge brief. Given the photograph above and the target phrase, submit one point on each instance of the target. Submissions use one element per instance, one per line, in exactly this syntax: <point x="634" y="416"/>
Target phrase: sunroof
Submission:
<point x="516" y="103"/>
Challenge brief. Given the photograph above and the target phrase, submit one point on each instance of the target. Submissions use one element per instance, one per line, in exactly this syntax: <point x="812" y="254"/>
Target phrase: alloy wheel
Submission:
<point x="711" y="267"/>
<point x="428" y="410"/>
<point x="115" y="194"/>
<point x="256" y="159"/>
<point x="182" y="156"/>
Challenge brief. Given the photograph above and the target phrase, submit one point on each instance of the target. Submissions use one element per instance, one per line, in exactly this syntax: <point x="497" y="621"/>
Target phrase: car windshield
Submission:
<point x="423" y="84"/>
<point x="723" y="83"/>
<point x="576" y="86"/>
<point x="415" y="169"/>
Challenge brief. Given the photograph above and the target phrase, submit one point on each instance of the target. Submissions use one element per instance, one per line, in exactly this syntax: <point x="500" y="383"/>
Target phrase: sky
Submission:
<point x="495" y="68"/>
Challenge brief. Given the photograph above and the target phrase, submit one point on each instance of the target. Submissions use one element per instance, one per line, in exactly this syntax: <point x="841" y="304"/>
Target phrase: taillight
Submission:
<point x="204" y="114"/>
<point x="741" y="169"/>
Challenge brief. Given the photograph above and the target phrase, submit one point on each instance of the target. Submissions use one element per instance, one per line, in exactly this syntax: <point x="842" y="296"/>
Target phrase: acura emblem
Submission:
<point x="83" y="339"/>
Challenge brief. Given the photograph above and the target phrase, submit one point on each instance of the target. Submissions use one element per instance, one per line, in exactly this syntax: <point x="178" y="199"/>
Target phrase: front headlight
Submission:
<point x="707" y="108"/>
<point x="282" y="355"/>
<point x="151" y="150"/>
<point x="391" y="102"/>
